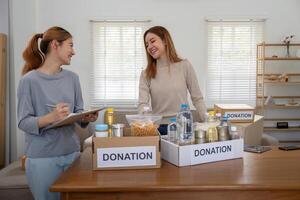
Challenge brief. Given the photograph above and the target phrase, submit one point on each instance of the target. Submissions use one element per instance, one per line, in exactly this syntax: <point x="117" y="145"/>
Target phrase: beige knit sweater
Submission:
<point x="169" y="89"/>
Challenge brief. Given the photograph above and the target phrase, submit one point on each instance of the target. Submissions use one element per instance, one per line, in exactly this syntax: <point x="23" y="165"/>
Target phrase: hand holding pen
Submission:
<point x="60" y="111"/>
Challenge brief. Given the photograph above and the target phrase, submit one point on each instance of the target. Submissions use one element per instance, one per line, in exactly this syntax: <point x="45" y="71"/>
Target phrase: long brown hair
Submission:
<point x="165" y="36"/>
<point x="33" y="55"/>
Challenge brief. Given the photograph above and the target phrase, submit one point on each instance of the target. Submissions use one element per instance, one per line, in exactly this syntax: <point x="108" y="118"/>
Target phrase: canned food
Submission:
<point x="200" y="140"/>
<point x="200" y="133"/>
<point x="117" y="130"/>
<point x="223" y="133"/>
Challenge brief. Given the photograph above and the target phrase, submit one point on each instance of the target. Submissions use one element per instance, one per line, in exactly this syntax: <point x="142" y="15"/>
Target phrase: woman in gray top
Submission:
<point x="166" y="81"/>
<point x="49" y="151"/>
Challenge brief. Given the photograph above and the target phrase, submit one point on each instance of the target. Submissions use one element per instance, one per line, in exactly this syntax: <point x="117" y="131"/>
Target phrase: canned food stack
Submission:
<point x="215" y="128"/>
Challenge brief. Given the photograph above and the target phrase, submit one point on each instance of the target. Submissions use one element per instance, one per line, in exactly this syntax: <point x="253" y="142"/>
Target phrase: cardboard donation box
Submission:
<point x="236" y="112"/>
<point x="128" y="152"/>
<point x="201" y="153"/>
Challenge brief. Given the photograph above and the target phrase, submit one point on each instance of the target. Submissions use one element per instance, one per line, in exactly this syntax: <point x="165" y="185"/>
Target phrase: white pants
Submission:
<point x="42" y="172"/>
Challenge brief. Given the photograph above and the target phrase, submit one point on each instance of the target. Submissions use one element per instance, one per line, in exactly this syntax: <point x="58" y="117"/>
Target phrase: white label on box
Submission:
<point x="209" y="152"/>
<point x="126" y="156"/>
<point x="239" y="115"/>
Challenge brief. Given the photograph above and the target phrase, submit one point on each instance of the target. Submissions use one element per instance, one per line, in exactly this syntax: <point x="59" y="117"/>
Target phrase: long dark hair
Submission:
<point x="165" y="36"/>
<point x="35" y="56"/>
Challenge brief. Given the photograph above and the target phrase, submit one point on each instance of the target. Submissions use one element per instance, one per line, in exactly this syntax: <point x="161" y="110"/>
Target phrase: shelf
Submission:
<point x="280" y="97"/>
<point x="282" y="83"/>
<point x="289" y="141"/>
<point x="275" y="79"/>
<point x="282" y="119"/>
<point x="280" y="58"/>
<point x="277" y="45"/>
<point x="281" y="129"/>
<point x="288" y="74"/>
<point x="278" y="107"/>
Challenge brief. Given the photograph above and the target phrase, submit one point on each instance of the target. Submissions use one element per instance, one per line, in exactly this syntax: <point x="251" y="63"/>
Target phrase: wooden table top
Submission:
<point x="272" y="170"/>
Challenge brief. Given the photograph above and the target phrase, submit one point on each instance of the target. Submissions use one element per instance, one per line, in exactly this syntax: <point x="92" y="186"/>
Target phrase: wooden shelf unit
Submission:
<point x="280" y="107"/>
<point x="279" y="97"/>
<point x="279" y="58"/>
<point x="281" y="129"/>
<point x="264" y="59"/>
<point x="276" y="44"/>
<point x="282" y="119"/>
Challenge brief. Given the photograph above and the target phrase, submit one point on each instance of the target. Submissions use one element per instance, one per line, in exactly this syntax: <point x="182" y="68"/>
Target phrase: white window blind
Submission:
<point x="118" y="59"/>
<point x="231" y="76"/>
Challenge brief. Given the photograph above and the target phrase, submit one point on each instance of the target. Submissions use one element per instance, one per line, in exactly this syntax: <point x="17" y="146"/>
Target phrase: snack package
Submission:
<point x="143" y="125"/>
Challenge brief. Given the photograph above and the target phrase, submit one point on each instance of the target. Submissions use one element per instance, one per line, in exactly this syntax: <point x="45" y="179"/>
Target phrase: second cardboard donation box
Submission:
<point x="236" y="112"/>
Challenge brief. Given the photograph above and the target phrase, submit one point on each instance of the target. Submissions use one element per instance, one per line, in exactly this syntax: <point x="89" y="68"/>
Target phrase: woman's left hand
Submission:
<point x="90" y="118"/>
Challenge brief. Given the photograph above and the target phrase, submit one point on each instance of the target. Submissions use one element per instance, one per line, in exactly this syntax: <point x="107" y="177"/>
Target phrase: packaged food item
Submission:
<point x="143" y="125"/>
<point x="109" y="119"/>
<point x="118" y="130"/>
<point x="101" y="130"/>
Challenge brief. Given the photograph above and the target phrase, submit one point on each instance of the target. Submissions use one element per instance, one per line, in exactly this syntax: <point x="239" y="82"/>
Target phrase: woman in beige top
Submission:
<point x="165" y="83"/>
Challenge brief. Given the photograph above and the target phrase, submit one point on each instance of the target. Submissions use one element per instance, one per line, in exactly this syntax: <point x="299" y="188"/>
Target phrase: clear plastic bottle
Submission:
<point x="185" y="125"/>
<point x="146" y="110"/>
<point x="172" y="130"/>
<point x="223" y="129"/>
<point x="224" y="121"/>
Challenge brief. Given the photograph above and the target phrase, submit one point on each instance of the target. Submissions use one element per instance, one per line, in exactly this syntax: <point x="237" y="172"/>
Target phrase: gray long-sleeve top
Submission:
<point x="37" y="89"/>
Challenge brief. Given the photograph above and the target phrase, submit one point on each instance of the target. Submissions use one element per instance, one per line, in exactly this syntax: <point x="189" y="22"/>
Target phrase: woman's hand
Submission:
<point x="61" y="111"/>
<point x="90" y="117"/>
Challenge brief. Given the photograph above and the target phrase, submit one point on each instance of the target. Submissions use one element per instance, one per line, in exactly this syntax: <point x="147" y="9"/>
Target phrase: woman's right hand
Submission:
<point x="61" y="111"/>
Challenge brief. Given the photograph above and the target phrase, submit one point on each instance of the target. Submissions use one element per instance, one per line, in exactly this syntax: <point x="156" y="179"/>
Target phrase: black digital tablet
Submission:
<point x="257" y="149"/>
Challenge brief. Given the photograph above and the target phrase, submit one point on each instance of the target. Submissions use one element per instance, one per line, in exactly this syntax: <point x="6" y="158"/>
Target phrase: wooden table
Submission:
<point x="272" y="175"/>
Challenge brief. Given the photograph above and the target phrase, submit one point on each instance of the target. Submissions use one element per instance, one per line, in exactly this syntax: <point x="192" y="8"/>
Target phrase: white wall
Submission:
<point x="22" y="26"/>
<point x="185" y="19"/>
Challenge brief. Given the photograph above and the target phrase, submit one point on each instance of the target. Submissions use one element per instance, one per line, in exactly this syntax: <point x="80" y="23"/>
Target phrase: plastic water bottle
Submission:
<point x="223" y="130"/>
<point x="172" y="130"/>
<point x="185" y="125"/>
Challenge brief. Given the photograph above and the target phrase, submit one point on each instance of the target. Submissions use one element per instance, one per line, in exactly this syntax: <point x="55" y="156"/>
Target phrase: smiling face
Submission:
<point x="155" y="46"/>
<point x="65" y="51"/>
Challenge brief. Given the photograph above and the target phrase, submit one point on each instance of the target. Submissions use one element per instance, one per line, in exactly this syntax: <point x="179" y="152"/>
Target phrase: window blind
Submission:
<point x="118" y="59"/>
<point x="231" y="76"/>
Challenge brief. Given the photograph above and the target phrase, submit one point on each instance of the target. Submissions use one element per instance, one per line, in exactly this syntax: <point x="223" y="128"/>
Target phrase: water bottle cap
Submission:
<point x="224" y="118"/>
<point x="173" y="119"/>
<point x="233" y="128"/>
<point x="184" y="105"/>
<point x="146" y="108"/>
<point x="101" y="127"/>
